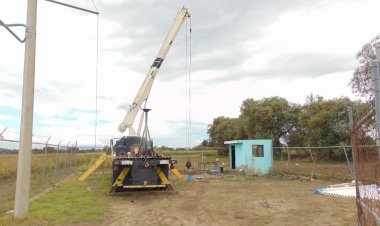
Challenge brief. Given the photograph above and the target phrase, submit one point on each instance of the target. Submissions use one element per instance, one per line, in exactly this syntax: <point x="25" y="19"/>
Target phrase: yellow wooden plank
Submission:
<point x="176" y="173"/>
<point x="90" y="170"/>
<point x="120" y="178"/>
<point x="162" y="176"/>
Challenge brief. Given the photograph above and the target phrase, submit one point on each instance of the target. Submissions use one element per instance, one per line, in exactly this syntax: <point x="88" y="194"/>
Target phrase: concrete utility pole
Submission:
<point x="25" y="150"/>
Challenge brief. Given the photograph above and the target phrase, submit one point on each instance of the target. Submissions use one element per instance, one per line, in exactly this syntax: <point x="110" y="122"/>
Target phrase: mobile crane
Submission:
<point x="135" y="165"/>
<point x="145" y="88"/>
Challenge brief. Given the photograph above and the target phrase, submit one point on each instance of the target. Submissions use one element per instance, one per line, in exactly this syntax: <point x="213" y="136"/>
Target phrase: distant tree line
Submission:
<point x="318" y="122"/>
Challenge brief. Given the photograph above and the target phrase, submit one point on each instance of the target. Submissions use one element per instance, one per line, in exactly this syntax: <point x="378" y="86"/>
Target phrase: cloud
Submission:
<point x="303" y="65"/>
<point x="179" y="133"/>
<point x="239" y="50"/>
<point x="218" y="37"/>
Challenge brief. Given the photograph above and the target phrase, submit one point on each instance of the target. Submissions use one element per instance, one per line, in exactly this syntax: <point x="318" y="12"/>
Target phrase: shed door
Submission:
<point x="233" y="157"/>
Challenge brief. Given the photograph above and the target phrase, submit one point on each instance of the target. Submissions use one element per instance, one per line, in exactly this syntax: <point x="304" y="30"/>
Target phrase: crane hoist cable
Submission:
<point x="188" y="164"/>
<point x="188" y="84"/>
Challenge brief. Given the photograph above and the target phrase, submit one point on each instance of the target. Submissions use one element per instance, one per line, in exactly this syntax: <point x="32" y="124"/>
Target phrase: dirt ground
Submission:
<point x="235" y="200"/>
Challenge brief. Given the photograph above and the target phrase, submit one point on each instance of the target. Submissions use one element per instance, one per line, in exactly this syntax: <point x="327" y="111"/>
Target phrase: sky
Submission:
<point x="89" y="68"/>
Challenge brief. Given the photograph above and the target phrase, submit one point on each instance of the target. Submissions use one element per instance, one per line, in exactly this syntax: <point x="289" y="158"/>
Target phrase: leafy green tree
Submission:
<point x="241" y="133"/>
<point x="205" y="143"/>
<point x="222" y="129"/>
<point x="269" y="118"/>
<point x="297" y="138"/>
<point x="325" y="122"/>
<point x="361" y="82"/>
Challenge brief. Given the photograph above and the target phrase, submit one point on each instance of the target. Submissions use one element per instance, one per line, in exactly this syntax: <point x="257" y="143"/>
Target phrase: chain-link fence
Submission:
<point x="53" y="160"/>
<point x="367" y="165"/>
<point x="315" y="163"/>
<point x="202" y="159"/>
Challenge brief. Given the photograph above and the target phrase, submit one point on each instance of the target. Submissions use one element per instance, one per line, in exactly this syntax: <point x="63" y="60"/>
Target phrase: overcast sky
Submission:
<point x="239" y="49"/>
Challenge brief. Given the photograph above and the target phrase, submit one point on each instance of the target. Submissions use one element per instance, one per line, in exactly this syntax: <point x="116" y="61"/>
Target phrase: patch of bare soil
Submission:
<point x="235" y="200"/>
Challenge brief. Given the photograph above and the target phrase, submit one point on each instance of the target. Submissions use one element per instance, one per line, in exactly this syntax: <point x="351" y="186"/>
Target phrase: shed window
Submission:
<point x="258" y="150"/>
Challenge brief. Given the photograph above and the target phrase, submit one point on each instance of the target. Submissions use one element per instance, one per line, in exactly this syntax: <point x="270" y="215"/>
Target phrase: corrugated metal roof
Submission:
<point x="233" y="142"/>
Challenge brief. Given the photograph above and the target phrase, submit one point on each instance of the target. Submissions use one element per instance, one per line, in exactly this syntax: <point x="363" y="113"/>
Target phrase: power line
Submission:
<point x="75" y="7"/>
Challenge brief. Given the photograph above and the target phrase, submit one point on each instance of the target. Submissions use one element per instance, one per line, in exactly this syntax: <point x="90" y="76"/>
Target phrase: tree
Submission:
<point x="325" y="123"/>
<point x="297" y="138"/>
<point x="222" y="129"/>
<point x="361" y="82"/>
<point x="205" y="143"/>
<point x="268" y="118"/>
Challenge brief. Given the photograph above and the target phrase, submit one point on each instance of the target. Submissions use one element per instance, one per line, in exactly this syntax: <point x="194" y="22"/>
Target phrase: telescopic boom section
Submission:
<point x="145" y="88"/>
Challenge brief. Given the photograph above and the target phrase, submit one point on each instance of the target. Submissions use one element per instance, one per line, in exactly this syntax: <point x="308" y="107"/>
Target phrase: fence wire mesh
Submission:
<point x="202" y="159"/>
<point x="367" y="170"/>
<point x="323" y="163"/>
<point x="315" y="163"/>
<point x="53" y="160"/>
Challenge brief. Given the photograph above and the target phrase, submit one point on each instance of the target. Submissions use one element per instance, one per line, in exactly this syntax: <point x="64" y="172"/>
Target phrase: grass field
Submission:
<point x="57" y="167"/>
<point x="70" y="203"/>
<point x="322" y="170"/>
<point x="86" y="203"/>
<point x="236" y="200"/>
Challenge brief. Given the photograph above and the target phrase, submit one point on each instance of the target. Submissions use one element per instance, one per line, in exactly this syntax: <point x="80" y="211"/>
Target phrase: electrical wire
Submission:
<point x="188" y="84"/>
<point x="187" y="91"/>
<point x="189" y="72"/>
<point x="96" y="97"/>
<point x="96" y="76"/>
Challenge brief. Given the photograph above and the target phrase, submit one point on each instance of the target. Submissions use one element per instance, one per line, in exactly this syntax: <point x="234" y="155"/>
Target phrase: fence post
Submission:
<point x="1" y="134"/>
<point x="287" y="150"/>
<point x="202" y="154"/>
<point x="56" y="163"/>
<point x="348" y="161"/>
<point x="352" y="130"/>
<point x="67" y="149"/>
<point x="71" y="159"/>
<point x="44" y="166"/>
<point x="75" y="157"/>
<point x="353" y="142"/>
<point x="376" y="81"/>
<point x="312" y="159"/>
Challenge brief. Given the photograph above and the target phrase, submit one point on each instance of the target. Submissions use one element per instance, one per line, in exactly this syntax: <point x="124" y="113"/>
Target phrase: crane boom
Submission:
<point x="145" y="88"/>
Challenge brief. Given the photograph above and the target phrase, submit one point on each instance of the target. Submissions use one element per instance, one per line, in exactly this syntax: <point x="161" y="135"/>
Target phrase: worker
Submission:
<point x="188" y="165"/>
<point x="216" y="164"/>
